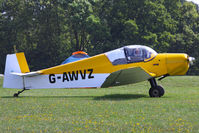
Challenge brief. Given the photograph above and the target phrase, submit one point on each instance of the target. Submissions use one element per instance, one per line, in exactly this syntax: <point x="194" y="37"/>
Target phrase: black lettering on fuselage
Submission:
<point x="65" y="77"/>
<point x="71" y="76"/>
<point x="52" y="78"/>
<point x="90" y="74"/>
<point x="83" y="75"/>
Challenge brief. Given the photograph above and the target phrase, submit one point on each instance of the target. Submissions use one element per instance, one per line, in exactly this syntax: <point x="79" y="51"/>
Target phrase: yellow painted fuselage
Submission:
<point x="172" y="64"/>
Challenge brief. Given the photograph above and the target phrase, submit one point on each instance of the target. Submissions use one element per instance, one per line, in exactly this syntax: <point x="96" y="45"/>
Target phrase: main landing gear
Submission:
<point x="155" y="90"/>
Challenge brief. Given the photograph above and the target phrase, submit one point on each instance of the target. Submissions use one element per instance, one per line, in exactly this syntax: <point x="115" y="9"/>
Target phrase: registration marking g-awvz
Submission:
<point x="71" y="76"/>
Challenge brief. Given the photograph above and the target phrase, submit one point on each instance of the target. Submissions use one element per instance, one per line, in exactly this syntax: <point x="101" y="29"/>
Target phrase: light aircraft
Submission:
<point x="126" y="65"/>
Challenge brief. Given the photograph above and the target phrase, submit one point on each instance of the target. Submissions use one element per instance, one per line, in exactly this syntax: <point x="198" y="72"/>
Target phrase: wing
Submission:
<point x="127" y="76"/>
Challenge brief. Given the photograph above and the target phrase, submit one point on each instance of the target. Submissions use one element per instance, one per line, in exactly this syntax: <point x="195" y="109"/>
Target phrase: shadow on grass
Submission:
<point x="67" y="97"/>
<point x="119" y="97"/>
<point x="105" y="97"/>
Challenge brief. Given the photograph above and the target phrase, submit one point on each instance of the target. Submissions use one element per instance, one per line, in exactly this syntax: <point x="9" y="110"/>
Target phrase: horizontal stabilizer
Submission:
<point x="30" y="74"/>
<point x="127" y="76"/>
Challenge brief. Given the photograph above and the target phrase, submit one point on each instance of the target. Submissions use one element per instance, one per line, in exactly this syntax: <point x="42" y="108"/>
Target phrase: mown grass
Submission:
<point x="117" y="109"/>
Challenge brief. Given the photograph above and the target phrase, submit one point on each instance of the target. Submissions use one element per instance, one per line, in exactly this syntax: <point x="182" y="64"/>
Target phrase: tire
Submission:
<point x="161" y="90"/>
<point x="157" y="91"/>
<point x="15" y="95"/>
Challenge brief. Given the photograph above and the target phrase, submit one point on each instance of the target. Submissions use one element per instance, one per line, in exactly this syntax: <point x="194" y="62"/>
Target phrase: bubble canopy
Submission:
<point x="131" y="54"/>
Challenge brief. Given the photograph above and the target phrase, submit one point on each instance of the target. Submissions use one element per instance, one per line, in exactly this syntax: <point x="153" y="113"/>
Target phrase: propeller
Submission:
<point x="191" y="60"/>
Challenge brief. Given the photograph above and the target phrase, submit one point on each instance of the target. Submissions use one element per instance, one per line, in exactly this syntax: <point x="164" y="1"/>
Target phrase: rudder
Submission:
<point x="15" y="63"/>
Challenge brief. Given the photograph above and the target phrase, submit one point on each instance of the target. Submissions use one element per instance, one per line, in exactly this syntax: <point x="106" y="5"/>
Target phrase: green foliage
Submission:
<point x="150" y="39"/>
<point x="49" y="31"/>
<point x="130" y="32"/>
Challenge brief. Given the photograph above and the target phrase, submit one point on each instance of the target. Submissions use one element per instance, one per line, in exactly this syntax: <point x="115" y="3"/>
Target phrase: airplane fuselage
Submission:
<point x="92" y="72"/>
<point x="126" y="65"/>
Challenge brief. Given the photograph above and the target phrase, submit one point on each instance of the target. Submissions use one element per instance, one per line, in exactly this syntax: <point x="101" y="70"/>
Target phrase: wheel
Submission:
<point x="15" y="95"/>
<point x="157" y="91"/>
<point x="161" y="90"/>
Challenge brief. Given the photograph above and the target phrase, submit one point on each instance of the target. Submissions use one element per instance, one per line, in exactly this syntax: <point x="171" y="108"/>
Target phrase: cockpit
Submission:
<point x="131" y="54"/>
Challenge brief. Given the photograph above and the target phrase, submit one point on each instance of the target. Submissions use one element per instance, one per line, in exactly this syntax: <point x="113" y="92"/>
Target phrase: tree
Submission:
<point x="77" y="13"/>
<point x="48" y="31"/>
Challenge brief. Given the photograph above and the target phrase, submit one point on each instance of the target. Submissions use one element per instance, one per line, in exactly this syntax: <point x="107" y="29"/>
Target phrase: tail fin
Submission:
<point x="15" y="63"/>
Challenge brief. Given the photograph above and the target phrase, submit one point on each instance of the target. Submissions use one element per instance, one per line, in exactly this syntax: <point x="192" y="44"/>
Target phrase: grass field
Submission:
<point x="117" y="109"/>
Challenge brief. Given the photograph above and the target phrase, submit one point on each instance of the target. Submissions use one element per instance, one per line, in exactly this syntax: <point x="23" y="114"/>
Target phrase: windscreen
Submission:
<point x="130" y="54"/>
<point x="137" y="53"/>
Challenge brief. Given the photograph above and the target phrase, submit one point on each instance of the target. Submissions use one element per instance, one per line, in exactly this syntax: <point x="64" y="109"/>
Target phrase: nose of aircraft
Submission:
<point x="178" y="64"/>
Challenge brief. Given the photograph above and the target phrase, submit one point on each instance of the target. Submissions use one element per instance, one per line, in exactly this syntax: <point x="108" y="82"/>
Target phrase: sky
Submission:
<point x="195" y="1"/>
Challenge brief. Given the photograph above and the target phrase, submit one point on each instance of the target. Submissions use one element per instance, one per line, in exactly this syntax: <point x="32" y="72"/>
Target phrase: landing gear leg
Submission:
<point x="155" y="90"/>
<point x="17" y="94"/>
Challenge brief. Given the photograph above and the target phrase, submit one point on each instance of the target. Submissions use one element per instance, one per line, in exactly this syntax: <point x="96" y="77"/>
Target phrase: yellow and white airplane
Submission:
<point x="126" y="65"/>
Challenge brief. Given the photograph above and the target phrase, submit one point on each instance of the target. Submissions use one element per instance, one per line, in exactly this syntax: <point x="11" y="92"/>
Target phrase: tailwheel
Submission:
<point x="16" y="95"/>
<point x="156" y="91"/>
<point x="19" y="92"/>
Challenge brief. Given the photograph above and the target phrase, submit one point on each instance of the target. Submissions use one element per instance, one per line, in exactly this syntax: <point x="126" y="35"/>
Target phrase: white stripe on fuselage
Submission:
<point x="65" y="80"/>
